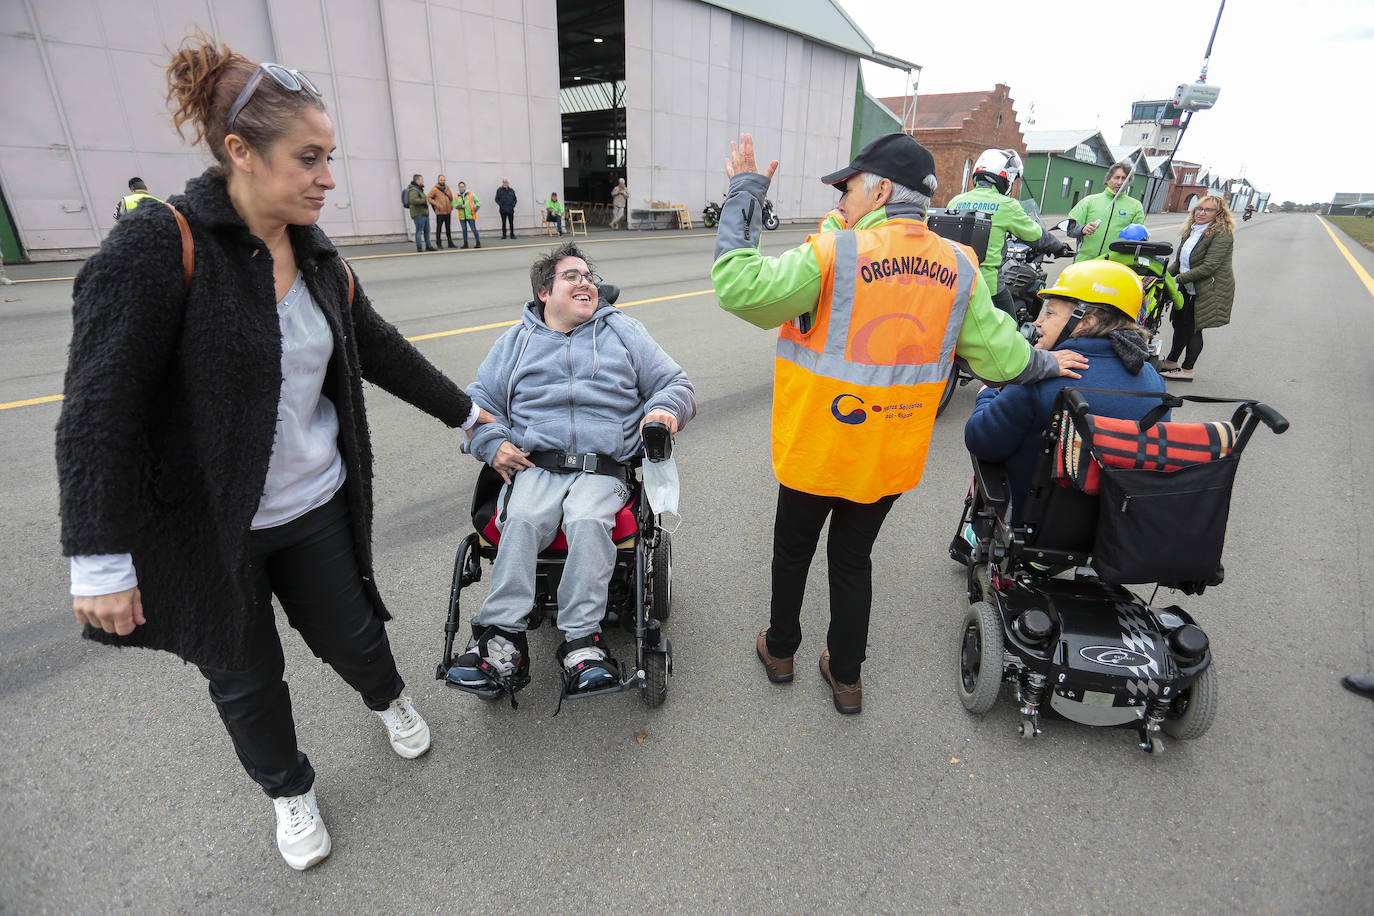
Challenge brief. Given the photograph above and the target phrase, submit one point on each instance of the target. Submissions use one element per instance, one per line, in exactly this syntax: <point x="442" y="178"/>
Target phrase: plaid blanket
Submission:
<point x="1122" y="444"/>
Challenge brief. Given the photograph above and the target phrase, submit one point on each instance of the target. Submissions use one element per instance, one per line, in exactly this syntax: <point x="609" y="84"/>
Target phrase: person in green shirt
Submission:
<point x="553" y="211"/>
<point x="1097" y="219"/>
<point x="994" y="175"/>
<point x="467" y="205"/>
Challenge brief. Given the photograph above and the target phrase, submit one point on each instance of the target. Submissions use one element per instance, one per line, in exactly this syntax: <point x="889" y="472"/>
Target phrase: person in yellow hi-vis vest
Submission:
<point x="870" y="312"/>
<point x="138" y="193"/>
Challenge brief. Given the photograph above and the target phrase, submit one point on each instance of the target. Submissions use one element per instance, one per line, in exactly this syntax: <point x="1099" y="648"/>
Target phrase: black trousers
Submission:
<point x="445" y="224"/>
<point x="849" y="548"/>
<point x="1186" y="335"/>
<point x="310" y="565"/>
<point x="507" y="219"/>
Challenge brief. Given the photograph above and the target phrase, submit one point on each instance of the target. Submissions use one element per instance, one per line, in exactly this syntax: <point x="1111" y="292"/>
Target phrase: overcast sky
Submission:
<point x="1294" y="115"/>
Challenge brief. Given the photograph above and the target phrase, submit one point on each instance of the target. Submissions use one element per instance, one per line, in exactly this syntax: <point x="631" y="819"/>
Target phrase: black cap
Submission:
<point x="896" y="157"/>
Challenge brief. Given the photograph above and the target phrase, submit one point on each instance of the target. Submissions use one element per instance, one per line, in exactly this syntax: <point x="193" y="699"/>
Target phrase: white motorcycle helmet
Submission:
<point x="1003" y="166"/>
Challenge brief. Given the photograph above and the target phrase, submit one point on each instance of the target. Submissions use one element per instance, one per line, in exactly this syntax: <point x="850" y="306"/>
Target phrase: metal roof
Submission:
<point x="822" y="21"/>
<point x="1059" y="141"/>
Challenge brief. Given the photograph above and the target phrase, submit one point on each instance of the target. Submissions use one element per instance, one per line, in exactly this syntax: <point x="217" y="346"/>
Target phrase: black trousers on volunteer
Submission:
<point x="849" y="548"/>
<point x="309" y="564"/>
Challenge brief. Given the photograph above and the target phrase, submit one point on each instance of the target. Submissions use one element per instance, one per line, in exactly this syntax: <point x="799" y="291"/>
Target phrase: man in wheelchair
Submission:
<point x="570" y="389"/>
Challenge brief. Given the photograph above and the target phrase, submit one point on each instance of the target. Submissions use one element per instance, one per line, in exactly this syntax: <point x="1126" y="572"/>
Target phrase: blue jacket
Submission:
<point x="505" y="199"/>
<point x="1007" y="425"/>
<point x="583" y="391"/>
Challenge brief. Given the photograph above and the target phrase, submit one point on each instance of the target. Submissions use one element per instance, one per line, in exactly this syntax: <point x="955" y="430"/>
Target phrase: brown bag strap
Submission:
<point x="348" y="270"/>
<point x="188" y="248"/>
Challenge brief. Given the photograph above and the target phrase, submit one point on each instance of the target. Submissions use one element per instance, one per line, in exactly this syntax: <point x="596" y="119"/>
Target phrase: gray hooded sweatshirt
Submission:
<point x="583" y="391"/>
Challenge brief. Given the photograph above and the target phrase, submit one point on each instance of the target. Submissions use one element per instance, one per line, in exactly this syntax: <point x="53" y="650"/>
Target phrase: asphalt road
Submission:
<point x="119" y="790"/>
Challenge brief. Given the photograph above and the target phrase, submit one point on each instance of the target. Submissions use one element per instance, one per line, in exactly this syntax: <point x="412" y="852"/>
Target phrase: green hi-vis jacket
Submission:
<point x="1115" y="215"/>
<point x="1007" y="217"/>
<point x="466" y="205"/>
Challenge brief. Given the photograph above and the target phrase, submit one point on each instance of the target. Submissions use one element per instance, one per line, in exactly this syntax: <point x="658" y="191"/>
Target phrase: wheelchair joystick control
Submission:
<point x="1188" y="643"/>
<point x="1034" y="626"/>
<point x="658" y="442"/>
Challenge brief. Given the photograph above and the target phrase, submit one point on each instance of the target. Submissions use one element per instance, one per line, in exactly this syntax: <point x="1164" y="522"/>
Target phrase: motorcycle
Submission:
<point x="770" y="219"/>
<point x="710" y="215"/>
<point x="1248" y="213"/>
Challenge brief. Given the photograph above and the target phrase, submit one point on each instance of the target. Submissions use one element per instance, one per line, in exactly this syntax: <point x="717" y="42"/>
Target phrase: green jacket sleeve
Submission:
<point x="1019" y="223"/>
<point x="993" y="347"/>
<point x="766" y="292"/>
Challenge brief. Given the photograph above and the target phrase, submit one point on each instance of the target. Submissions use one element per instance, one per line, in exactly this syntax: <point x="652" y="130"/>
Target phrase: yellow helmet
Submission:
<point x="1102" y="283"/>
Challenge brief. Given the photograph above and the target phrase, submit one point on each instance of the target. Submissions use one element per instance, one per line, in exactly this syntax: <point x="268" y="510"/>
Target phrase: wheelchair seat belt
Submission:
<point x="586" y="463"/>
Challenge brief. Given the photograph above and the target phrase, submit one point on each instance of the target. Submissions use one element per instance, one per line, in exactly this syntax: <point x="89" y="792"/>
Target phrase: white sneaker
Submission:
<point x="301" y="835"/>
<point x="5" y="281"/>
<point x="408" y="732"/>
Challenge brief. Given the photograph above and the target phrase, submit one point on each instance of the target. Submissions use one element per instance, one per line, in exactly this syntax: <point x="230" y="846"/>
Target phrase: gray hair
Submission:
<point x="901" y="194"/>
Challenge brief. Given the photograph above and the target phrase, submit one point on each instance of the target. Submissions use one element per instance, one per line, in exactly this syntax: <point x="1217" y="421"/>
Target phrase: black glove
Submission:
<point x="1065" y="251"/>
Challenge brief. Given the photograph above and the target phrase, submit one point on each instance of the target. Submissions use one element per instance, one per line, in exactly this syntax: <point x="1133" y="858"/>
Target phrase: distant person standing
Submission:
<point x="1098" y="218"/>
<point x="467" y="205"/>
<point x="138" y="192"/>
<point x="505" y="203"/>
<point x="440" y="197"/>
<point x="419" y="210"/>
<point x="620" y="200"/>
<point x="4" y="280"/>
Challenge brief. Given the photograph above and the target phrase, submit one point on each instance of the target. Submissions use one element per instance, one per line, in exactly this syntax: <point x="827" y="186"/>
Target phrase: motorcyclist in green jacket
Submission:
<point x="994" y="174"/>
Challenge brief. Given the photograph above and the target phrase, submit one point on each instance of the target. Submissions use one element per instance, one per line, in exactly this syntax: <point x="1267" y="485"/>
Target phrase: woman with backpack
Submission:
<point x="213" y="446"/>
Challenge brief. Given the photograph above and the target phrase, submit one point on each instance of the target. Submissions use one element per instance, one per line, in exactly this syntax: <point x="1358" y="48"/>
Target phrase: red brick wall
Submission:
<point x="981" y="130"/>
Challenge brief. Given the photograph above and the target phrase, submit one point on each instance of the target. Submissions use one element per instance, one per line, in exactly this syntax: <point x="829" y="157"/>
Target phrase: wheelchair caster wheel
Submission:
<point x="1028" y="729"/>
<point x="1153" y="746"/>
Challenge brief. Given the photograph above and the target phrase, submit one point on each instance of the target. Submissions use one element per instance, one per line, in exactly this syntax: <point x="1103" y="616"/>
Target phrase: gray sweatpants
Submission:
<point x="528" y="513"/>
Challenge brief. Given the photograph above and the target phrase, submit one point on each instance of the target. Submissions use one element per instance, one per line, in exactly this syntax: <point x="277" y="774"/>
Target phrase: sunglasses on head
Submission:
<point x="290" y="80"/>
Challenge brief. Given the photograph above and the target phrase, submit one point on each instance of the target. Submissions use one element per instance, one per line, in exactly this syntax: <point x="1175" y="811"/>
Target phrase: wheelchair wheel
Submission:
<point x="661" y="583"/>
<point x="947" y="394"/>
<point x="1197" y="706"/>
<point x="980" y="658"/>
<point x="655" y="679"/>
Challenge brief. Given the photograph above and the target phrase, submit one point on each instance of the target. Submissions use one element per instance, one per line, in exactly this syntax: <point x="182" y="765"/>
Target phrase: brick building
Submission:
<point x="956" y="127"/>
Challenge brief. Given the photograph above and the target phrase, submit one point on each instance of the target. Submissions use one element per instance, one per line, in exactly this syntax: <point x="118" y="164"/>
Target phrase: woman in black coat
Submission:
<point x="213" y="447"/>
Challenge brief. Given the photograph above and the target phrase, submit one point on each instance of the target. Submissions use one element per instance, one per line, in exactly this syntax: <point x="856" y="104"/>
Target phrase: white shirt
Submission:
<point x="1185" y="254"/>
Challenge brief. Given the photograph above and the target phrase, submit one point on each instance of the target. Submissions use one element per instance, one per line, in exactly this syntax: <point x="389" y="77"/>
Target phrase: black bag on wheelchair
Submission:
<point x="1164" y="491"/>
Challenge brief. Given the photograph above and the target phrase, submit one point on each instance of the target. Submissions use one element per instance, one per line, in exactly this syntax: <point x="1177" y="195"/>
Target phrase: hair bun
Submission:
<point x="193" y="75"/>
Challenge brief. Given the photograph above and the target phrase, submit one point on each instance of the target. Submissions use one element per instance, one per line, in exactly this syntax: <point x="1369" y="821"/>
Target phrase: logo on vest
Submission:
<point x="854" y="417"/>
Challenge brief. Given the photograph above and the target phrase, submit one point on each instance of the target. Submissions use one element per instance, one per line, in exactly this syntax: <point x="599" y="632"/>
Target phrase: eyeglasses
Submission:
<point x="572" y="275"/>
<point x="1204" y="209"/>
<point x="290" y="80"/>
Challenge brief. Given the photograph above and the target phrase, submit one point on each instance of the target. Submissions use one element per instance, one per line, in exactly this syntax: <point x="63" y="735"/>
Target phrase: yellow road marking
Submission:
<point x="52" y="398"/>
<point x="1354" y="264"/>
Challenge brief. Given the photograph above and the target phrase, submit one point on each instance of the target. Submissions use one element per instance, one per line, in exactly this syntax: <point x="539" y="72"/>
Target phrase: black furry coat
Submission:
<point x="171" y="410"/>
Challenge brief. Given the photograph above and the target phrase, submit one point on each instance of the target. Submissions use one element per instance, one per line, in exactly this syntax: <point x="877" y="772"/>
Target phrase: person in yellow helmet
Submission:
<point x="1093" y="307"/>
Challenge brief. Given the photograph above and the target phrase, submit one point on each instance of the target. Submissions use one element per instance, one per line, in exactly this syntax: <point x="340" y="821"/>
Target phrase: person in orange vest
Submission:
<point x="870" y="313"/>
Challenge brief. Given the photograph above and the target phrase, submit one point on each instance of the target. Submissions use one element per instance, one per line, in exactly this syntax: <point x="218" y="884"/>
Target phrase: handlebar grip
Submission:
<point x="1077" y="404"/>
<point x="1271" y="417"/>
<point x="658" y="442"/>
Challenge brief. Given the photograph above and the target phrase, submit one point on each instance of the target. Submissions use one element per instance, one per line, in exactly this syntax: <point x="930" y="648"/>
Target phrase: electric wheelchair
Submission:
<point x="639" y="594"/>
<point x="1111" y="503"/>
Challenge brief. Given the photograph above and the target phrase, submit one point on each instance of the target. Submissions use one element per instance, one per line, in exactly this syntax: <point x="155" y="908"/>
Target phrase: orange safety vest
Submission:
<point x="854" y="397"/>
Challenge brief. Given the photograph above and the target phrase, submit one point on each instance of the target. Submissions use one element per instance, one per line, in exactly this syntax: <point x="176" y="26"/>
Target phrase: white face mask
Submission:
<point x="661" y="487"/>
